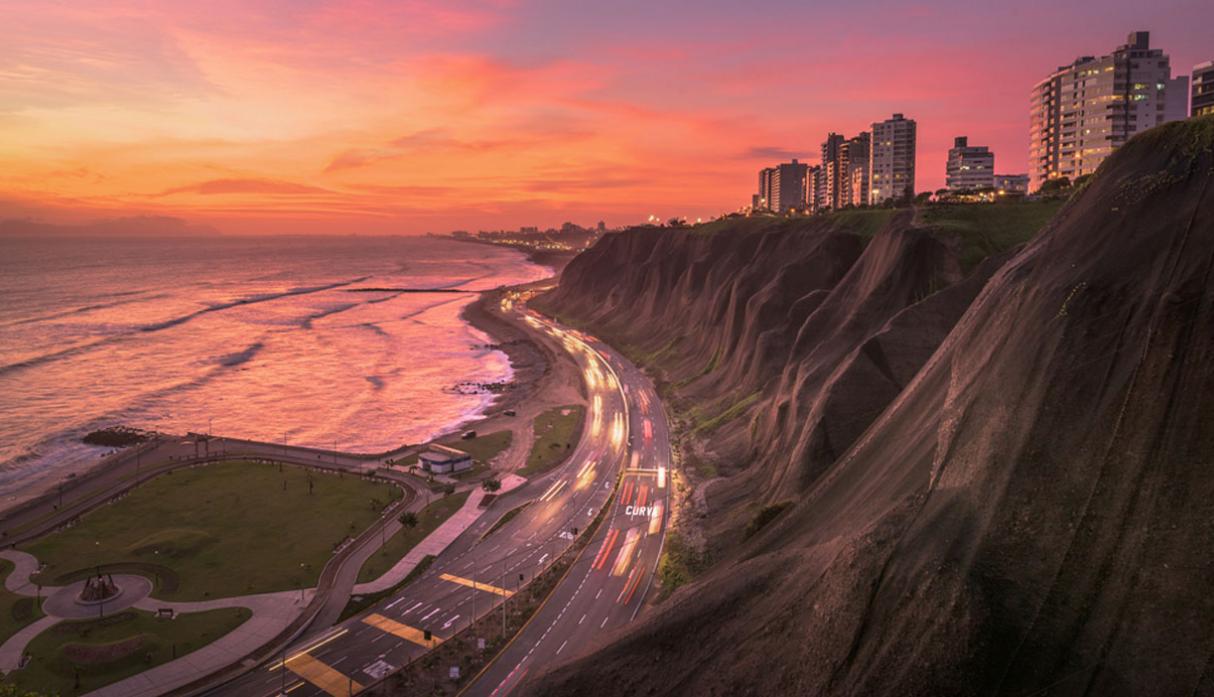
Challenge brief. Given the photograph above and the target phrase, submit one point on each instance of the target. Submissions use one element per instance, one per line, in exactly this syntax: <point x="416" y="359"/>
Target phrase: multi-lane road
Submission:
<point x="624" y="450"/>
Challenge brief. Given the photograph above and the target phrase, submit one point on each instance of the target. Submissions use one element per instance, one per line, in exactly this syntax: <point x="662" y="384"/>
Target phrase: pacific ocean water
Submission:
<point x="311" y="340"/>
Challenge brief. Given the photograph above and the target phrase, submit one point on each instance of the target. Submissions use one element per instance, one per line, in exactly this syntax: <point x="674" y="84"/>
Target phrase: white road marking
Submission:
<point x="417" y="605"/>
<point x="393" y="604"/>
<point x="430" y="614"/>
<point x="604" y="624"/>
<point x="448" y="623"/>
<point x="582" y="620"/>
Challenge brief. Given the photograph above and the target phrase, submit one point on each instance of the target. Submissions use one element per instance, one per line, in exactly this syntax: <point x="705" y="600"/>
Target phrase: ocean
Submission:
<point x="304" y="339"/>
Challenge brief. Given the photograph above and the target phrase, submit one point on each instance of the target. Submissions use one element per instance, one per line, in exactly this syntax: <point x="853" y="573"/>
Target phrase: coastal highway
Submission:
<point x="480" y="570"/>
<point x="608" y="582"/>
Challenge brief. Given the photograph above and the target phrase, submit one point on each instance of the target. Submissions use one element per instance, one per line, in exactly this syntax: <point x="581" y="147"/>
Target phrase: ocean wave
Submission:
<point x="304" y="290"/>
<point x="375" y="328"/>
<point x="85" y="309"/>
<point x="232" y="360"/>
<point x="306" y="322"/>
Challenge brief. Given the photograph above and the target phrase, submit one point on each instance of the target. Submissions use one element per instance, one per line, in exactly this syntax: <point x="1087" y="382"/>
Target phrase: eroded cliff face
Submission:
<point x="1000" y="484"/>
<point x="778" y="345"/>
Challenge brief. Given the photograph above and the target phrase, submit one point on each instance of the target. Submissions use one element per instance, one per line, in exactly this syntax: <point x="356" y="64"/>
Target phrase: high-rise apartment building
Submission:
<point x="1203" y="89"/>
<point x="970" y="167"/>
<point x="833" y="169"/>
<point x="788" y="187"/>
<point x="856" y="154"/>
<point x="815" y="188"/>
<point x="892" y="163"/>
<point x="1083" y="111"/>
<point x="763" y="200"/>
<point x="782" y="188"/>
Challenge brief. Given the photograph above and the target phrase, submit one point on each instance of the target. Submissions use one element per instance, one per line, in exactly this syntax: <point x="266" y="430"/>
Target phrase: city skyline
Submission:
<point x="341" y="117"/>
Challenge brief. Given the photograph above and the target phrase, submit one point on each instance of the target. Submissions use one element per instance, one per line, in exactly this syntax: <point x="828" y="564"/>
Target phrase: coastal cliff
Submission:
<point x="944" y="463"/>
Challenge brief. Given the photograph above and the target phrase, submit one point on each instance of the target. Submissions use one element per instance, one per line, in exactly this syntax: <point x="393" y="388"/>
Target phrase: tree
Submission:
<point x="408" y="519"/>
<point x="1055" y="185"/>
<point x="491" y="485"/>
<point x="923" y="198"/>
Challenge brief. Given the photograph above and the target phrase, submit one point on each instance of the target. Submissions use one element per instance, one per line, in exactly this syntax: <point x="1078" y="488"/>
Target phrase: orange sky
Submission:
<point x="416" y="115"/>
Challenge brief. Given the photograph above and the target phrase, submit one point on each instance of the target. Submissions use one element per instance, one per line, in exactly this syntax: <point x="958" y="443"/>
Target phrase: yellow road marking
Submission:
<point x="477" y="585"/>
<point x="404" y="631"/>
<point x="322" y="676"/>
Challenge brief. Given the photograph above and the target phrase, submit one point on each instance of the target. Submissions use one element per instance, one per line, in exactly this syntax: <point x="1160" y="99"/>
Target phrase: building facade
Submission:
<point x="782" y="188"/>
<point x="1081" y="112"/>
<point x="892" y="162"/>
<point x="440" y="459"/>
<point x="763" y="201"/>
<point x="833" y="168"/>
<point x="856" y="155"/>
<point x="788" y="187"/>
<point x="969" y="167"/>
<point x="1202" y="103"/>
<point x="815" y="188"/>
<point x="1011" y="184"/>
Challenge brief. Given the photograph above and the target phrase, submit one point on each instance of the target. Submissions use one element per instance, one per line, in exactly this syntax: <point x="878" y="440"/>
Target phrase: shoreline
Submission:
<point x="553" y="259"/>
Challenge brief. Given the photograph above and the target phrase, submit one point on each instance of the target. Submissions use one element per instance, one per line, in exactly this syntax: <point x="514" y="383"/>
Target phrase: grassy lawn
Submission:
<point x="107" y="650"/>
<point x="556" y="432"/>
<point x="404" y="540"/>
<point x="16" y="611"/>
<point x="222" y="530"/>
<point x="990" y="228"/>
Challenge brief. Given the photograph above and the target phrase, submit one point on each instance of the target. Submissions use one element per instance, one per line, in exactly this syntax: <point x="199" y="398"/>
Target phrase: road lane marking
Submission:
<point x="311" y="647"/>
<point x="316" y="672"/>
<point x="604" y="622"/>
<point x="582" y="620"/>
<point x="415" y="606"/>
<point x="448" y="623"/>
<point x="404" y="631"/>
<point x="393" y="604"/>
<point x="430" y="614"/>
<point x="476" y="585"/>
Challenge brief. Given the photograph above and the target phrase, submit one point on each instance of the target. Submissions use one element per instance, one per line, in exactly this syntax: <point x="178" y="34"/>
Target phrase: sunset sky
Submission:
<point x="418" y="115"/>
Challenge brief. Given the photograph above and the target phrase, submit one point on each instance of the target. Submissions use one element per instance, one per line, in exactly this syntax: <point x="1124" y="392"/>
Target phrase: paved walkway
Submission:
<point x="272" y="612"/>
<point x="440" y="539"/>
<point x="26" y="565"/>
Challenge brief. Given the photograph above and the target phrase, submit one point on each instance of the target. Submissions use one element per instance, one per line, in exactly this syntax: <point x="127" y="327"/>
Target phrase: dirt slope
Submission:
<point x="1031" y="513"/>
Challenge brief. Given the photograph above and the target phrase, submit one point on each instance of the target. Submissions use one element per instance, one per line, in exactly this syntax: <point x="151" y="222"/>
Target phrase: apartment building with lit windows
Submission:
<point x="1081" y="112"/>
<point x="1203" y="89"/>
<point x="892" y="162"/>
<point x="782" y="188"/>
<point x="969" y="167"/>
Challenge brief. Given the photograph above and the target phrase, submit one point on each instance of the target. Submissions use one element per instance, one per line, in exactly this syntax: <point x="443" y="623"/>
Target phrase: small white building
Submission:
<point x="440" y="459"/>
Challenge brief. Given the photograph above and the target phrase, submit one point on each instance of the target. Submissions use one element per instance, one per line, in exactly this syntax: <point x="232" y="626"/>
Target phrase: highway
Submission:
<point x="609" y="581"/>
<point x="478" y="571"/>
